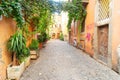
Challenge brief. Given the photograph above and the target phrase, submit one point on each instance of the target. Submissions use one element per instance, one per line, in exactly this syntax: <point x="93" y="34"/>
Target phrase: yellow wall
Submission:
<point x="7" y="28"/>
<point x="89" y="27"/>
<point x="115" y="32"/>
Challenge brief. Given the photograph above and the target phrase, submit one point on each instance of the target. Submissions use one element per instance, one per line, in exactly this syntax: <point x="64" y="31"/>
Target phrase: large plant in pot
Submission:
<point x="40" y="40"/>
<point x="44" y="37"/>
<point x="33" y="49"/>
<point x="17" y="46"/>
<point x="25" y="57"/>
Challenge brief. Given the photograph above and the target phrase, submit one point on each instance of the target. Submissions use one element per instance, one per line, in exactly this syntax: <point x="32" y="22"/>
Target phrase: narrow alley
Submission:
<point x="61" y="61"/>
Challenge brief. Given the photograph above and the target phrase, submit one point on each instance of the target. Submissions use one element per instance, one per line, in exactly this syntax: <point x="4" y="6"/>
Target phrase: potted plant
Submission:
<point x="44" y="34"/>
<point x="33" y="47"/>
<point x="16" y="45"/>
<point x="26" y="59"/>
<point x="40" y="40"/>
<point x="61" y="36"/>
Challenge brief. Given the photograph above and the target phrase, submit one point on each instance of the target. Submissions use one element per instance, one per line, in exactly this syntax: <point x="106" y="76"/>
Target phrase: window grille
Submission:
<point x="103" y="11"/>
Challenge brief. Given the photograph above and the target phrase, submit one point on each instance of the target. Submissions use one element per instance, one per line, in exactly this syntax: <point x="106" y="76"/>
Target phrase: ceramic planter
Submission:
<point x="14" y="72"/>
<point x="27" y="62"/>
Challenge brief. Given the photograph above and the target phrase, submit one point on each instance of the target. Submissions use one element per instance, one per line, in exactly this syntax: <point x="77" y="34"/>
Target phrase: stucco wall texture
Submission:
<point x="7" y="28"/>
<point x="115" y="31"/>
<point x="89" y="27"/>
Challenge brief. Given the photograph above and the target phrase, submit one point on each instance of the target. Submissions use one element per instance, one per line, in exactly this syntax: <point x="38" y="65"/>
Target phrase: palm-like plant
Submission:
<point x="16" y="45"/>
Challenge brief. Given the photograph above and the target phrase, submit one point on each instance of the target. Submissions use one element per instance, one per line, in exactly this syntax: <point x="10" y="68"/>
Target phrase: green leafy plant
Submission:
<point x="12" y="9"/>
<point x="48" y="37"/>
<point x="34" y="44"/>
<point x="16" y="44"/>
<point x="26" y="52"/>
<point x="76" y="11"/>
<point x="24" y="55"/>
<point x="44" y="36"/>
<point x="61" y="37"/>
<point x="40" y="38"/>
<point x="38" y="15"/>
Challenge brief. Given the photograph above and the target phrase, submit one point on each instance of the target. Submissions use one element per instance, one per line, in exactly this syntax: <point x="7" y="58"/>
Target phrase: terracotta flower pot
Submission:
<point x="40" y="45"/>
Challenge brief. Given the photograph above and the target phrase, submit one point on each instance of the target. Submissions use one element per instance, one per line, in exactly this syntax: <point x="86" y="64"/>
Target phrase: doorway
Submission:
<point x="103" y="43"/>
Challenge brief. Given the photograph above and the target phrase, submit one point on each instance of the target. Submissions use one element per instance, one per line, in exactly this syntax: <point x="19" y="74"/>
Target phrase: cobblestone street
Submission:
<point x="61" y="61"/>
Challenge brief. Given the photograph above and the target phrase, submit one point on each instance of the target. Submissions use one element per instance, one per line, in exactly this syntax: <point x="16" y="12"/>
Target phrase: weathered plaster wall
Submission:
<point x="89" y="27"/>
<point x="115" y="32"/>
<point x="74" y="31"/>
<point x="64" y="23"/>
<point x="7" y="28"/>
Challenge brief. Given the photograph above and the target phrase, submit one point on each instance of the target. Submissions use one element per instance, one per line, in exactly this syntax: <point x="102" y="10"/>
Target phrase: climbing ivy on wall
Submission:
<point x="38" y="12"/>
<point x="12" y="9"/>
<point x="76" y="11"/>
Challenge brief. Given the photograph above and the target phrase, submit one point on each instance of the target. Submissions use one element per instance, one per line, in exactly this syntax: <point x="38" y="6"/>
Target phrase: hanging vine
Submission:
<point x="12" y="9"/>
<point x="76" y="11"/>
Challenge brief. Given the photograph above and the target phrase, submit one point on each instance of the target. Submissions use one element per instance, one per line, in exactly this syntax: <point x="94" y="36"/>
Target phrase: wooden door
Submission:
<point x="103" y="43"/>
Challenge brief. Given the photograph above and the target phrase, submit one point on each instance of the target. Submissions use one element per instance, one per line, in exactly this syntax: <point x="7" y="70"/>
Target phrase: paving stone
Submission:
<point x="61" y="61"/>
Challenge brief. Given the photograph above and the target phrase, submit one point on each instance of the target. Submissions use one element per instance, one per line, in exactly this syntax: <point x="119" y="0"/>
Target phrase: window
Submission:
<point x="103" y="9"/>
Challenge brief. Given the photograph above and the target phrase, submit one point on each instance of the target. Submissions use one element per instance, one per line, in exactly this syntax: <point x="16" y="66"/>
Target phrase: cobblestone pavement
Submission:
<point x="61" y="61"/>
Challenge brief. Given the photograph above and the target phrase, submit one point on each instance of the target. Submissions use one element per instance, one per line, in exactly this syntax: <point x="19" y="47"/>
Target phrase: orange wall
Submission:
<point x="89" y="27"/>
<point x="74" y="31"/>
<point x="115" y="32"/>
<point x="7" y="28"/>
<point x="30" y="37"/>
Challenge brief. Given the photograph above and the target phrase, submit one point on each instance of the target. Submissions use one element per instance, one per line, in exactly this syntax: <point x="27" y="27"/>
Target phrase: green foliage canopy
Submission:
<point x="76" y="11"/>
<point x="12" y="9"/>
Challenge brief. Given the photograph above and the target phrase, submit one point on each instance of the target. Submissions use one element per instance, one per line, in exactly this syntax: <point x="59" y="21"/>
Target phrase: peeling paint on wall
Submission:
<point x="89" y="34"/>
<point x="89" y="38"/>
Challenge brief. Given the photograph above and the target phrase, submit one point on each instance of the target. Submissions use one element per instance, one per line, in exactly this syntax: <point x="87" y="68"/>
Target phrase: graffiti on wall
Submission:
<point x="89" y="34"/>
